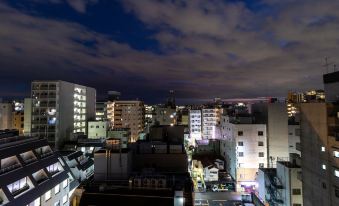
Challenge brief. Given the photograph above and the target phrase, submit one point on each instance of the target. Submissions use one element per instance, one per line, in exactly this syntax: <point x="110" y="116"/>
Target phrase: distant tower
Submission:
<point x="171" y="99"/>
<point x="113" y="95"/>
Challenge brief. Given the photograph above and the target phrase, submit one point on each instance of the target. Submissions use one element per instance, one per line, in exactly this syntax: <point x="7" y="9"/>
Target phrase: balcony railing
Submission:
<point x="30" y="160"/>
<point x="46" y="154"/>
<point x="9" y="168"/>
<point x="24" y="188"/>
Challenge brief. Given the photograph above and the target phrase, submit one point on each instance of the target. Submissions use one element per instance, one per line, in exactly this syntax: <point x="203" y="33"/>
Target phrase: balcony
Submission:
<point x="9" y="168"/>
<point x="30" y="160"/>
<point x="19" y="191"/>
<point x="46" y="154"/>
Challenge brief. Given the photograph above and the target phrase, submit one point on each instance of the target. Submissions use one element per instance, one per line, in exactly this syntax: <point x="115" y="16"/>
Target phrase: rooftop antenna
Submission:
<point x="326" y="64"/>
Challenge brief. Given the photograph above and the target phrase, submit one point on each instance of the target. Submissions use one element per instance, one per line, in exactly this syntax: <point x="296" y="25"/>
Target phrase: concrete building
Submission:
<point x="210" y="123"/>
<point x="122" y="134"/>
<point x="101" y="111"/>
<point x="331" y="85"/>
<point x="6" y="110"/>
<point x="195" y="125"/>
<point x="32" y="174"/>
<point x="294" y="139"/>
<point x="97" y="129"/>
<point x="127" y="114"/>
<point x="245" y="150"/>
<point x="61" y="108"/>
<point x="281" y="185"/>
<point x="164" y="115"/>
<point x="275" y="116"/>
<point x="27" y="116"/>
<point x="18" y="121"/>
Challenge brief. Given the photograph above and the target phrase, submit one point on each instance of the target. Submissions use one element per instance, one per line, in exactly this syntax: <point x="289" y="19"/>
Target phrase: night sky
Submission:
<point x="143" y="48"/>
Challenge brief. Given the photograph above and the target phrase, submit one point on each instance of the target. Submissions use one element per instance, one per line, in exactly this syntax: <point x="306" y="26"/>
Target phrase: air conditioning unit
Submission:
<point x="137" y="182"/>
<point x="146" y="182"/>
<point x="161" y="183"/>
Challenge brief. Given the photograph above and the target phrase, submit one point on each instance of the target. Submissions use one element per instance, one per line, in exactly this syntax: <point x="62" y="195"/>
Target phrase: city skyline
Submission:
<point x="200" y="49"/>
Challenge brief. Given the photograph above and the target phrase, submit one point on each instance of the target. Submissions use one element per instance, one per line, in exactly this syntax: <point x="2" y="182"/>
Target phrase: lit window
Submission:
<point x="336" y="153"/>
<point x="57" y="189"/>
<point x="336" y="173"/>
<point x="65" y="183"/>
<point x="64" y="199"/>
<point x="47" y="195"/>
<point x="324" y="167"/>
<point x="323" y="149"/>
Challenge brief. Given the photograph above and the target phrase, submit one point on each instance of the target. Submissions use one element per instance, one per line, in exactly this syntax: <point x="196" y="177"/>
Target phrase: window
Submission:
<point x="336" y="154"/>
<point x="260" y="143"/>
<point x="241" y="154"/>
<point x="57" y="203"/>
<point x="65" y="183"/>
<point x="336" y="192"/>
<point x="324" y="167"/>
<point x="57" y="189"/>
<point x="261" y="165"/>
<point x="240" y="143"/>
<point x="64" y="199"/>
<point x="324" y="185"/>
<point x="323" y="149"/>
<point x="297" y="132"/>
<point x="336" y="173"/>
<point x="18" y="185"/>
<point x="240" y="133"/>
<point x="47" y="195"/>
<point x="53" y="168"/>
<point x="260" y="133"/>
<point x="261" y="154"/>
<point x="296" y="191"/>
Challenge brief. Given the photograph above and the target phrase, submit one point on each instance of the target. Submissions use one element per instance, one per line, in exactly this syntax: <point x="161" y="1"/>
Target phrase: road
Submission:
<point x="217" y="198"/>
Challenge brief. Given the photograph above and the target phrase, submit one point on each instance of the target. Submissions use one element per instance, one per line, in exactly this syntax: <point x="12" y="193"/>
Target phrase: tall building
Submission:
<point x="164" y="115"/>
<point x="210" y="123"/>
<point x="32" y="174"/>
<point x="320" y="146"/>
<point x="275" y="116"/>
<point x="245" y="150"/>
<point x="195" y="125"/>
<point x="127" y="114"/>
<point x="59" y="109"/>
<point x="6" y="110"/>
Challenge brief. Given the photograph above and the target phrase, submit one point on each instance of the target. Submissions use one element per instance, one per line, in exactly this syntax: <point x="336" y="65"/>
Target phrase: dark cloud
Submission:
<point x="207" y="49"/>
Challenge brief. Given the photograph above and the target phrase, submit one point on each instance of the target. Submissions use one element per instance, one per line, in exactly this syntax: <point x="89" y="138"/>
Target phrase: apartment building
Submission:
<point x="245" y="150"/>
<point x="127" y="114"/>
<point x="281" y="185"/>
<point x="195" y="125"/>
<point x="59" y="109"/>
<point x="210" y="123"/>
<point x="32" y="174"/>
<point x="320" y="146"/>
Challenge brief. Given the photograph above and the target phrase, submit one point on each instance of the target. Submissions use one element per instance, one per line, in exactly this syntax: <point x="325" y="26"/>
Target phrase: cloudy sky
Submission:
<point x="143" y="48"/>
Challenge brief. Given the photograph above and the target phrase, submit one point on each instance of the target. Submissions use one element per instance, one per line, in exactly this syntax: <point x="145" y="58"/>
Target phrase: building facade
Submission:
<point x="32" y="174"/>
<point x="97" y="129"/>
<point x="245" y="150"/>
<point x="210" y="123"/>
<point x="6" y="110"/>
<point x="127" y="114"/>
<point x="60" y="109"/>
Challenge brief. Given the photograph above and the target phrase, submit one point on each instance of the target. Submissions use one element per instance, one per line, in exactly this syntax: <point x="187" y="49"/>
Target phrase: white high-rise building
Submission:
<point x="59" y="109"/>
<point x="244" y="149"/>
<point x="27" y="116"/>
<point x="195" y="125"/>
<point x="210" y="123"/>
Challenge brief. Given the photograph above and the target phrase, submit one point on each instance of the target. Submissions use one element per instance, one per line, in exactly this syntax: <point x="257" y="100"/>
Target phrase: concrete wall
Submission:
<point x="27" y="116"/>
<point x="277" y="132"/>
<point x="5" y="116"/>
<point x="313" y="136"/>
<point x="293" y="138"/>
